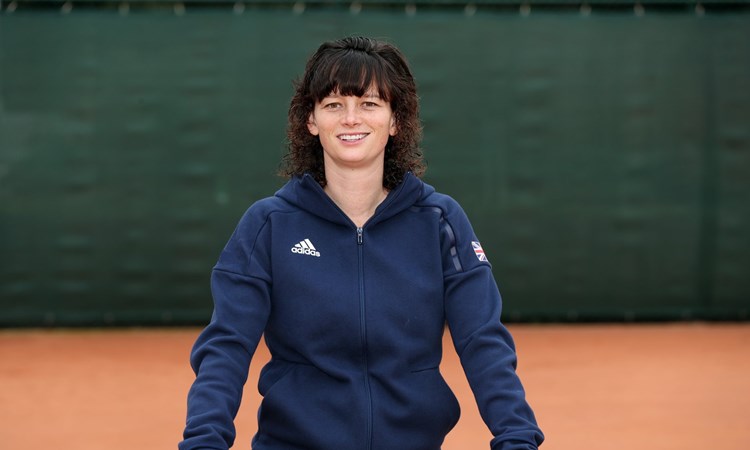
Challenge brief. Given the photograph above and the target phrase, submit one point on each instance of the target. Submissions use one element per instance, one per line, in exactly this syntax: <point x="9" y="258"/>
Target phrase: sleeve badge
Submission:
<point x="479" y="251"/>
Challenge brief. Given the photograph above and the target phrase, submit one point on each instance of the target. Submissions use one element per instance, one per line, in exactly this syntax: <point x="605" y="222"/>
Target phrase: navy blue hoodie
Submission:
<point x="354" y="318"/>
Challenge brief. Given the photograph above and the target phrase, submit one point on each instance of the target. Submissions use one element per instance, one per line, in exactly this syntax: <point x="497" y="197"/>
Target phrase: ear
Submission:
<point x="311" y="126"/>
<point x="394" y="127"/>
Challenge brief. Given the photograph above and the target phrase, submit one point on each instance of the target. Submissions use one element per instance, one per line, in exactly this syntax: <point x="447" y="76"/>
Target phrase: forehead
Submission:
<point x="351" y="73"/>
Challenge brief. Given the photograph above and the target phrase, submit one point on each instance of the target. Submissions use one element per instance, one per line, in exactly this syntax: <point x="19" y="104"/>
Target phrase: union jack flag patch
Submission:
<point x="479" y="251"/>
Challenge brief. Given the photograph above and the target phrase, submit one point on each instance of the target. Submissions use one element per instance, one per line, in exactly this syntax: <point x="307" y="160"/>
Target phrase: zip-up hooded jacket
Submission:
<point x="353" y="319"/>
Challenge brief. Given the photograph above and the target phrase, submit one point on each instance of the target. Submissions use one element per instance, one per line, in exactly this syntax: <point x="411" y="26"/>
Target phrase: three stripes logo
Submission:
<point x="305" y="247"/>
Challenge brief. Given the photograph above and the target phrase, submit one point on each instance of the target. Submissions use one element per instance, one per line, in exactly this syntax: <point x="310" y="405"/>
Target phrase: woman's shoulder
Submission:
<point x="261" y="210"/>
<point x="445" y="202"/>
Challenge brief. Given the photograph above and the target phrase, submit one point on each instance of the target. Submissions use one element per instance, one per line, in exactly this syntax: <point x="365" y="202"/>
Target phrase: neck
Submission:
<point x="357" y="193"/>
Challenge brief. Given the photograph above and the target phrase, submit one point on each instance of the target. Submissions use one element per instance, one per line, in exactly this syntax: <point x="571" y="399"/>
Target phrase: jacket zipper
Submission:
<point x="363" y="336"/>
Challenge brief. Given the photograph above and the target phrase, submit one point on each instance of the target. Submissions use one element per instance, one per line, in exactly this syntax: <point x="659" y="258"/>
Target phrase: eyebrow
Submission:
<point x="368" y="94"/>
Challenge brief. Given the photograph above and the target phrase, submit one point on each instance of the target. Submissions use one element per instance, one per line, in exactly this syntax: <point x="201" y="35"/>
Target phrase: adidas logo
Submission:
<point x="305" y="248"/>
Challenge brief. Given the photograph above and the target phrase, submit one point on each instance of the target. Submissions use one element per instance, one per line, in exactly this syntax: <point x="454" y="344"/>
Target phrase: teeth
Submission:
<point x="352" y="137"/>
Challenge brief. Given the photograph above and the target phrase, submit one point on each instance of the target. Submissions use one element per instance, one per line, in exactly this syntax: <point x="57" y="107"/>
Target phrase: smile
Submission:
<point x="352" y="137"/>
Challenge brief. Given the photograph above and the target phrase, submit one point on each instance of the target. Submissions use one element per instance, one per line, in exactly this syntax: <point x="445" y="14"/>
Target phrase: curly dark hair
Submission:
<point x="350" y="66"/>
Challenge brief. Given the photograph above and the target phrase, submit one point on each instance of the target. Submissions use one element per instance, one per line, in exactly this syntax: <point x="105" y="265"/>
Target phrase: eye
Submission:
<point x="370" y="104"/>
<point x="331" y="105"/>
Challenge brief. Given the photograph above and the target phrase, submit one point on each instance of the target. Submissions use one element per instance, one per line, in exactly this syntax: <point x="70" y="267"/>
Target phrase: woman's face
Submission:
<point x="353" y="130"/>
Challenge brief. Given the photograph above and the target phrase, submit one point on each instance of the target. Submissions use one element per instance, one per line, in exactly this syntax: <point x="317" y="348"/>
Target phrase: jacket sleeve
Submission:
<point x="483" y="344"/>
<point x="240" y="286"/>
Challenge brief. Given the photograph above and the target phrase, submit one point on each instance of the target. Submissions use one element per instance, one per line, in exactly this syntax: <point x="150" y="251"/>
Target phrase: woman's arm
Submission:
<point x="240" y="285"/>
<point x="484" y="345"/>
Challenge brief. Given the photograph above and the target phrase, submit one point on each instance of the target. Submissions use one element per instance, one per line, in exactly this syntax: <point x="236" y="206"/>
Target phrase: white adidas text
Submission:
<point x="305" y="247"/>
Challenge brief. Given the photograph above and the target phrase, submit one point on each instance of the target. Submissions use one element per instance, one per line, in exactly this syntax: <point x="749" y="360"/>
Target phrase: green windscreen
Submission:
<point x="602" y="154"/>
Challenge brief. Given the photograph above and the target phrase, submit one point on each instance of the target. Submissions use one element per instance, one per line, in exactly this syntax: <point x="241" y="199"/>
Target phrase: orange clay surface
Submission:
<point x="612" y="387"/>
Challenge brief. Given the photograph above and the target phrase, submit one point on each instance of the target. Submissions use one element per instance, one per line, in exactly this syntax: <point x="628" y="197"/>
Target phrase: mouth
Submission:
<point x="352" y="137"/>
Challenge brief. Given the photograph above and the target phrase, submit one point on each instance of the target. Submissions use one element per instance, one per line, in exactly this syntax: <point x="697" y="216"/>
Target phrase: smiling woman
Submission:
<point x="351" y="272"/>
<point x="356" y="67"/>
<point x="353" y="130"/>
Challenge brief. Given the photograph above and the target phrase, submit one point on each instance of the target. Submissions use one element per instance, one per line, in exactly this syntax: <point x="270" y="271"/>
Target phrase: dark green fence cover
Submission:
<point x="603" y="157"/>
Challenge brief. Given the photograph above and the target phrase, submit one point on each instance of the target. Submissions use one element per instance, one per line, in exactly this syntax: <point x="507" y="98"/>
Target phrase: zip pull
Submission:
<point x="359" y="235"/>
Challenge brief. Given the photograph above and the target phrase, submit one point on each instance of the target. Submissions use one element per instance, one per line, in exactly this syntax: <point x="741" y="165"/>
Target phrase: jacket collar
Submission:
<point x="305" y="193"/>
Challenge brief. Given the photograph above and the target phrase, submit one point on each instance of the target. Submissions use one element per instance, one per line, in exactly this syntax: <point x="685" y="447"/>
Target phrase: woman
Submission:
<point x="352" y="270"/>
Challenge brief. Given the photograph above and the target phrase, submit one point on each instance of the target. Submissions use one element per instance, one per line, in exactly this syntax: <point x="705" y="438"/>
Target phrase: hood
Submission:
<point x="305" y="193"/>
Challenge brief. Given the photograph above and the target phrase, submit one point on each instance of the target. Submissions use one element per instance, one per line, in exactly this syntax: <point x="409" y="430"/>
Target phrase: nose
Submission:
<point x="351" y="115"/>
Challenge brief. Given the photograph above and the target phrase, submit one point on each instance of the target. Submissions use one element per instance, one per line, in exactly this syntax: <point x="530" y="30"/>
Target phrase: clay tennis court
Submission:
<point x="654" y="387"/>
